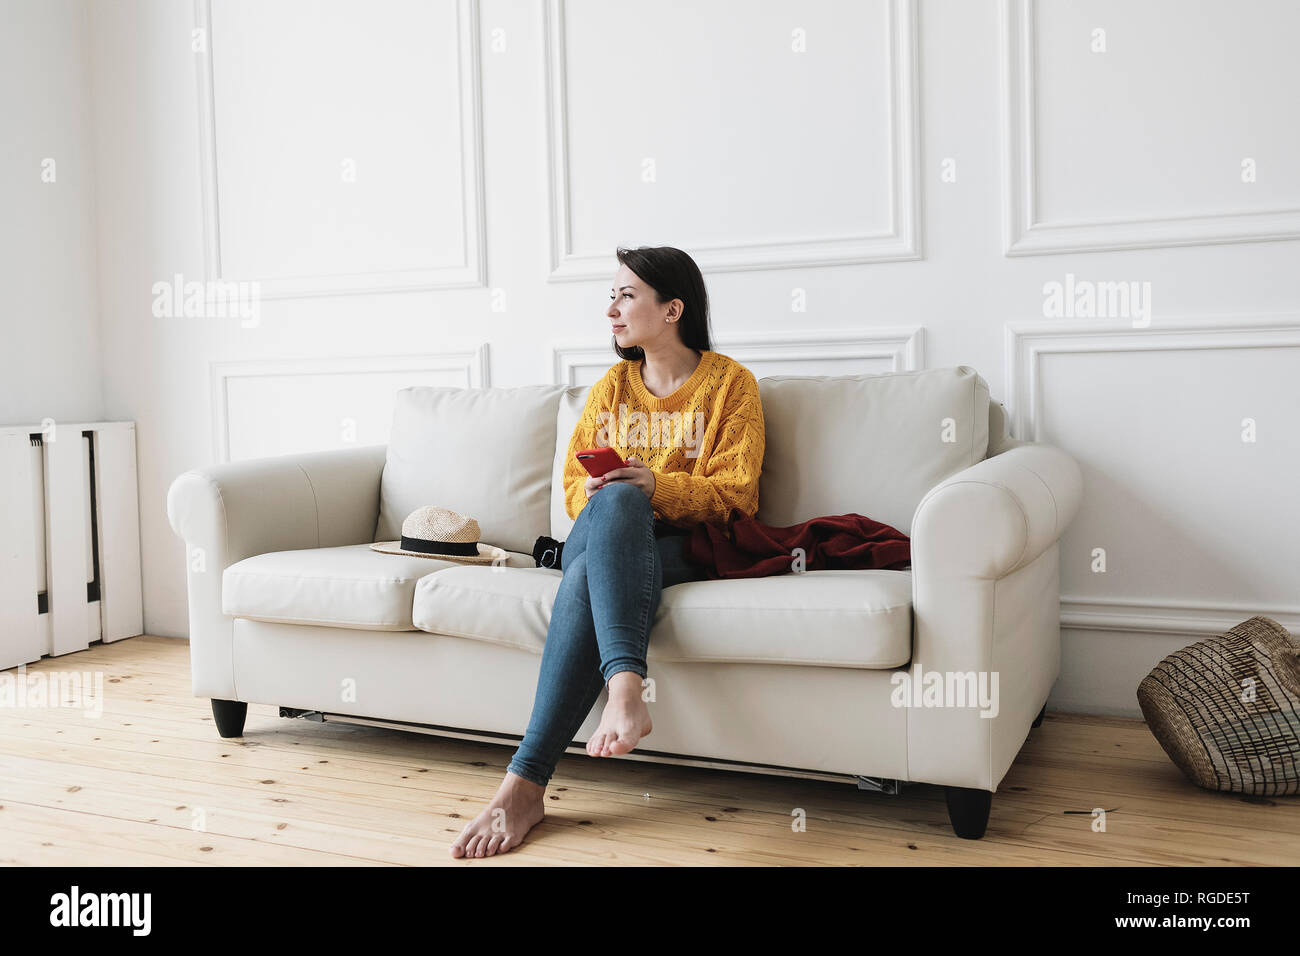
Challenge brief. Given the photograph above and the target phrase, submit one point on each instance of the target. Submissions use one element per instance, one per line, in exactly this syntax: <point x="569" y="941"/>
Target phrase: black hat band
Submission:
<point x="426" y="546"/>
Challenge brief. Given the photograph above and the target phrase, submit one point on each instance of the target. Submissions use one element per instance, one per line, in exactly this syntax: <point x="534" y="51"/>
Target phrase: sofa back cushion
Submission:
<point x="871" y="444"/>
<point x="573" y="401"/>
<point x="484" y="452"/>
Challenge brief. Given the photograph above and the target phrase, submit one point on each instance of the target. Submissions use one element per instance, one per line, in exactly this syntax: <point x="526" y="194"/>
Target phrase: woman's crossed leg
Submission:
<point x="614" y="574"/>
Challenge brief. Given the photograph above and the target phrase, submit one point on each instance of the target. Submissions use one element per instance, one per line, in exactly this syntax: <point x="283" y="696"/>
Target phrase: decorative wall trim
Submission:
<point x="903" y="346"/>
<point x="471" y="272"/>
<point x="1166" y="617"/>
<point x="1026" y="342"/>
<point x="1025" y="234"/>
<point x="901" y="241"/>
<point x="472" y="363"/>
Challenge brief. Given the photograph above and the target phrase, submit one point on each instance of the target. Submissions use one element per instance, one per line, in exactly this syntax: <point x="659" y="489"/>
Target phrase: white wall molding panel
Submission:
<point x="897" y="349"/>
<point x="1119" y="131"/>
<point x="1187" y="437"/>
<point x="284" y="406"/>
<point x="1186" y="618"/>
<point x="311" y="167"/>
<point x="746" y="147"/>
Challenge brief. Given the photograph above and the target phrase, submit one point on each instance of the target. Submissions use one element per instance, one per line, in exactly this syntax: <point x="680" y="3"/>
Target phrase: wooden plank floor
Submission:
<point x="151" y="782"/>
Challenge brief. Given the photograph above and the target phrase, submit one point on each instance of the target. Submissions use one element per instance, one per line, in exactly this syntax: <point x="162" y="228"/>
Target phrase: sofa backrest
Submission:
<point x="870" y="444"/>
<point x="484" y="452"/>
<point x="572" y="402"/>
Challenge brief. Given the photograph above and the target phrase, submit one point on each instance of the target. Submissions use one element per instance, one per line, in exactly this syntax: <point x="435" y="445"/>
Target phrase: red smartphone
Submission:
<point x="597" y="461"/>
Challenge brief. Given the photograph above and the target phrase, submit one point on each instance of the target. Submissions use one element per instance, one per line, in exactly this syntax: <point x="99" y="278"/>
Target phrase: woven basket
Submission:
<point x="1198" y="706"/>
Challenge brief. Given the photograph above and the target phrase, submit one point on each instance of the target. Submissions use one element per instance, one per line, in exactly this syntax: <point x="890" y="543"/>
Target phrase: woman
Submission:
<point x="689" y="423"/>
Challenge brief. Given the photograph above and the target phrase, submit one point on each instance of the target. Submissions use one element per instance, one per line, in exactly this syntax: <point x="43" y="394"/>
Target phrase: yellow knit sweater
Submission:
<point x="704" y="442"/>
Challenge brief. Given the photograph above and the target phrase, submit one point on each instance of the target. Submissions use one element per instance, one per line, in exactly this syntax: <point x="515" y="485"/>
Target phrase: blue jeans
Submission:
<point x="615" y="569"/>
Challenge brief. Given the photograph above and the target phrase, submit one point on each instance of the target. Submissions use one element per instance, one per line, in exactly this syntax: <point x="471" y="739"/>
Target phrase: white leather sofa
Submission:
<point x="795" y="674"/>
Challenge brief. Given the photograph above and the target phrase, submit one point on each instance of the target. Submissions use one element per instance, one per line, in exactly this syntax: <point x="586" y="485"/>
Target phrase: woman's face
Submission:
<point x="634" y="316"/>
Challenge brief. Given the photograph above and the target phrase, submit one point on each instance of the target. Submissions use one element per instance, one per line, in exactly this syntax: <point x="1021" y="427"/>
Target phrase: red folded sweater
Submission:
<point x="753" y="549"/>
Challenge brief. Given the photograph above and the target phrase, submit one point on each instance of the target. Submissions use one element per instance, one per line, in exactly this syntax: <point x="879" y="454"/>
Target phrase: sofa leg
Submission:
<point x="229" y="715"/>
<point x="968" y="811"/>
<point x="1039" y="719"/>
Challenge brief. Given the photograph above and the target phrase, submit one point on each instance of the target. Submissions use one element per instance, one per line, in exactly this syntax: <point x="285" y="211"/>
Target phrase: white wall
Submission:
<point x="49" y="334"/>
<point x="500" y="152"/>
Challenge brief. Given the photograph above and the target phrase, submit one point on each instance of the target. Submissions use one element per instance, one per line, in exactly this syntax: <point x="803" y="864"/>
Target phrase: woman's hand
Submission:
<point x="593" y="485"/>
<point x="635" y="473"/>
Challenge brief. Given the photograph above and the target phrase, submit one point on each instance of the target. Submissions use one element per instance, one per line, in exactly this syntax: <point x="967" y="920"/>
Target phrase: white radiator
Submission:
<point x="69" y="538"/>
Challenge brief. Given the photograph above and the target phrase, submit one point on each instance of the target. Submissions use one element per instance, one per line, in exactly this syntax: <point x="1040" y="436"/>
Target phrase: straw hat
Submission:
<point x="432" y="532"/>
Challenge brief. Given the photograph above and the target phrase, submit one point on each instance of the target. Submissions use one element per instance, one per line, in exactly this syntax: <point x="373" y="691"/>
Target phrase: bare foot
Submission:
<point x="626" y="718"/>
<point x="516" y="808"/>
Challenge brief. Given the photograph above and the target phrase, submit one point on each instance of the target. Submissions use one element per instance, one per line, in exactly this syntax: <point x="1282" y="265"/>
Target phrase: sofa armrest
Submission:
<point x="998" y="515"/>
<point x="232" y="511"/>
<point x="986" y="601"/>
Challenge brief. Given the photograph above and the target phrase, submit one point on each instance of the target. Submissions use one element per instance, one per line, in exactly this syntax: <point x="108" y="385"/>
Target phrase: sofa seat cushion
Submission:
<point x="348" y="586"/>
<point x="840" y="618"/>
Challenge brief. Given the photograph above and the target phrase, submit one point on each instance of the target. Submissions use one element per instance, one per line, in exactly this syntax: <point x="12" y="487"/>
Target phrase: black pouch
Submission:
<point x="547" y="552"/>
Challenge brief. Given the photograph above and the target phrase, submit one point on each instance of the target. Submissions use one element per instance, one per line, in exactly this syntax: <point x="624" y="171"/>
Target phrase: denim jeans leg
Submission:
<point x="569" y="680"/>
<point x="624" y="575"/>
<point x="614" y="574"/>
<point x="672" y="557"/>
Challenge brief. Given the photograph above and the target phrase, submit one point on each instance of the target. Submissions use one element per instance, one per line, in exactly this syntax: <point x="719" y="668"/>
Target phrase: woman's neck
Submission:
<point x="666" y="372"/>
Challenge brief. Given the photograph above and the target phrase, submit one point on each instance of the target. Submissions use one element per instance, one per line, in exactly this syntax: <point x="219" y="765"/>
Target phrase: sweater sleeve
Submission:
<point x="585" y="435"/>
<point x="730" y="478"/>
